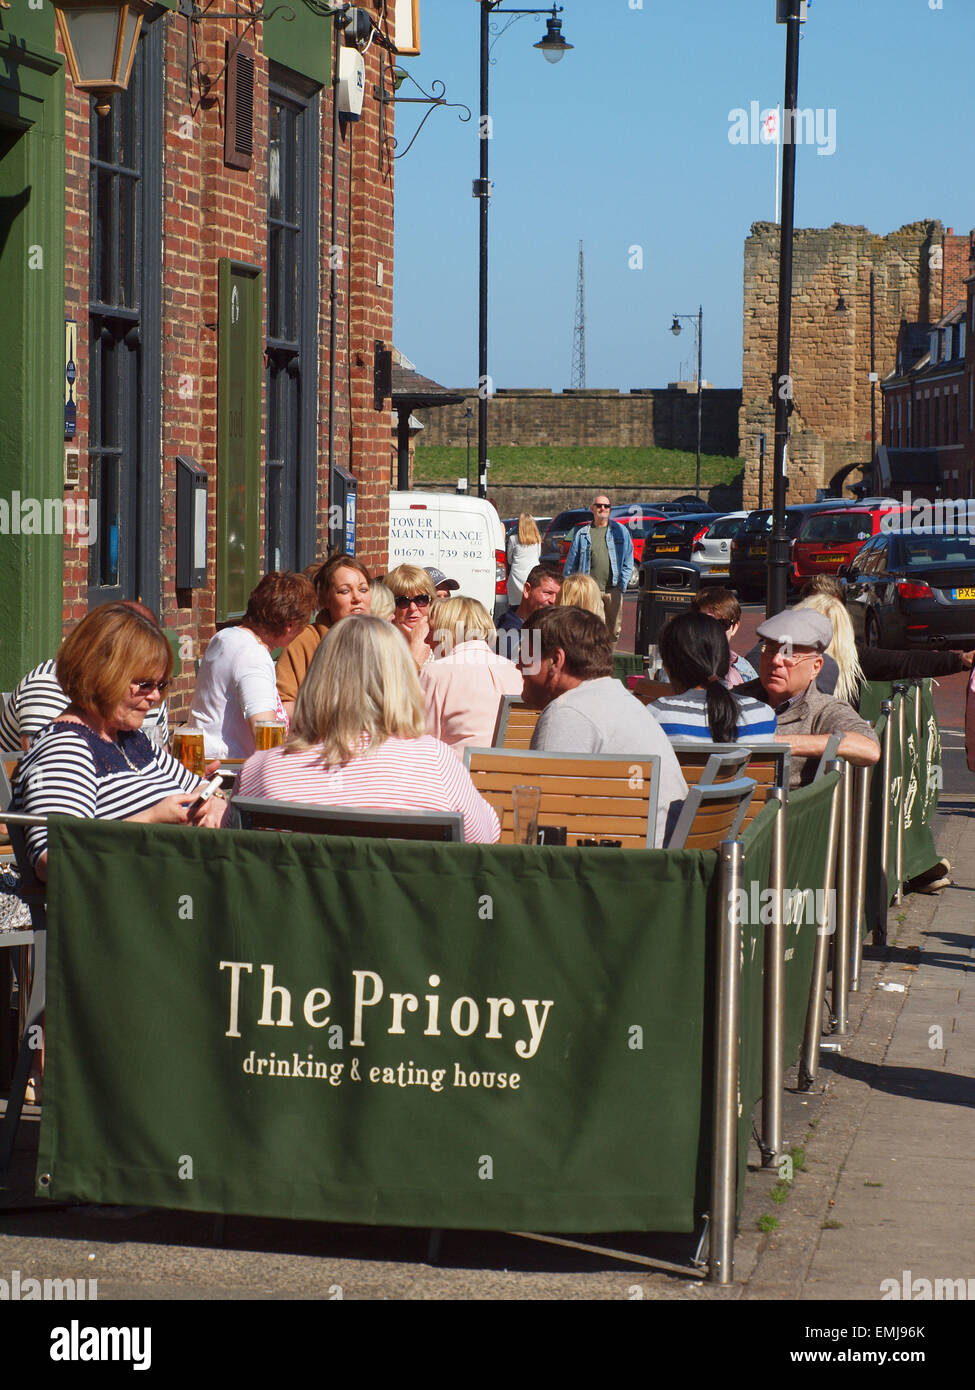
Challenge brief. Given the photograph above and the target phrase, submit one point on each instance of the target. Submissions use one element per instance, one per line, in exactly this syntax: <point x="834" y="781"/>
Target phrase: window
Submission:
<point x="125" y="307"/>
<point x="292" y="312"/>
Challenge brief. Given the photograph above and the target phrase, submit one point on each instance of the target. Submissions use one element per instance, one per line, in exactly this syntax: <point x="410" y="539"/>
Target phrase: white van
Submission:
<point x="462" y="536"/>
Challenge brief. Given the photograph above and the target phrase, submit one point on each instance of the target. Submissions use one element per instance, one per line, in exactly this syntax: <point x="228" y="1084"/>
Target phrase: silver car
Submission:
<point x="712" y="553"/>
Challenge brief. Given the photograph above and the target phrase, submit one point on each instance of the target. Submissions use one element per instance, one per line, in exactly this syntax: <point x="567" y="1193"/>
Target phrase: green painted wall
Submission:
<point x="32" y="333"/>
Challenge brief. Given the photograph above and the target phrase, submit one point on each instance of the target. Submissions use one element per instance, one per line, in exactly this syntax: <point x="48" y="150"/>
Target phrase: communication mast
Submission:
<point x="579" y="336"/>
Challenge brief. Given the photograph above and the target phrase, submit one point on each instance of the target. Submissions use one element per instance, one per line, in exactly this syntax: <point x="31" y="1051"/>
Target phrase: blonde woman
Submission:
<point x="413" y="592"/>
<point x="358" y="737"/>
<point x="383" y="603"/>
<point x="842" y="648"/>
<point x="524" y="553"/>
<point x="463" y="685"/>
<point x="581" y="591"/>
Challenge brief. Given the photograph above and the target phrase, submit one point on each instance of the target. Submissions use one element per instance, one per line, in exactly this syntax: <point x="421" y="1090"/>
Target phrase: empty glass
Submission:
<point x="526" y="802"/>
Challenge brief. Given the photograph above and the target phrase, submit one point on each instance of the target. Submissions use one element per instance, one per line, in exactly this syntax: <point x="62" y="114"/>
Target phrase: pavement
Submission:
<point x="883" y="1152"/>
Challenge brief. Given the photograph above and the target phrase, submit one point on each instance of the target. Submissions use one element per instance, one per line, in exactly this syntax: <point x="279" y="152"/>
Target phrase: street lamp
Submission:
<point x="553" y="46"/>
<point x="99" y="43"/>
<point x="675" y="328"/>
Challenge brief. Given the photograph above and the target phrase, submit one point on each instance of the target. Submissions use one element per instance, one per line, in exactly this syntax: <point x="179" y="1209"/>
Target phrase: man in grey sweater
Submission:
<point x="568" y="676"/>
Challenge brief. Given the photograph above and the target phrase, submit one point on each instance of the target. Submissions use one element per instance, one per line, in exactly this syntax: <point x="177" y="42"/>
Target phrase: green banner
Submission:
<point x="807" y="907"/>
<point x="379" y="1031"/>
<point x="915" y="784"/>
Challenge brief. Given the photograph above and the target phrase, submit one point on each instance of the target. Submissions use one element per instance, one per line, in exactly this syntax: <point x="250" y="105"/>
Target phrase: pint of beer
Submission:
<point x="188" y="749"/>
<point x="268" y="733"/>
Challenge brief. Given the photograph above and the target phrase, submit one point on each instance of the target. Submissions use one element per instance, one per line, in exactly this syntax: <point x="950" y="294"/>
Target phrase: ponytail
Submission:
<point x="694" y="649"/>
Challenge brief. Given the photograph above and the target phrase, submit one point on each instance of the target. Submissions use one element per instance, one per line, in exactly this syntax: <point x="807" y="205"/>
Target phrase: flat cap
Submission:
<point x="802" y="627"/>
<point x="439" y="579"/>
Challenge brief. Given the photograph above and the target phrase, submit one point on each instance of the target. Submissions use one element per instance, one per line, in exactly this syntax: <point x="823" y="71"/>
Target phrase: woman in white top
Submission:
<point x="524" y="552"/>
<point x="462" y="687"/>
<point x="236" y="683"/>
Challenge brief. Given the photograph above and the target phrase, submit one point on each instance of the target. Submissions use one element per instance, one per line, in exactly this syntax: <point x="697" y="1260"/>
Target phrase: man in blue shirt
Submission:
<point x="604" y="550"/>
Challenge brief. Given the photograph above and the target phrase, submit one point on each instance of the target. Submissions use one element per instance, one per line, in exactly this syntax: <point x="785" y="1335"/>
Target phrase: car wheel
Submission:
<point x="871" y="631"/>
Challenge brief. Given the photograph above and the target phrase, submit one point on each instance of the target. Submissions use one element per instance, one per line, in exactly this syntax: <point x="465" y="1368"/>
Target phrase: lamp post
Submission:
<point x="675" y="328"/>
<point x="791" y="13"/>
<point x="553" y="46"/>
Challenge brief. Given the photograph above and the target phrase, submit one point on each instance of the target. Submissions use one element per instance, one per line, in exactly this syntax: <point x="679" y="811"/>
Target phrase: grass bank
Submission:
<point x="568" y="467"/>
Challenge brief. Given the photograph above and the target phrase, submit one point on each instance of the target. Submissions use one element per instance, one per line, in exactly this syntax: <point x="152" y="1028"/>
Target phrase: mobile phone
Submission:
<point x="206" y="791"/>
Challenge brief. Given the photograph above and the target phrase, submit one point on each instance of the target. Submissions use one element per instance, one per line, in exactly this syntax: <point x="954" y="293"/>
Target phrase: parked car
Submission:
<point x="913" y="589"/>
<point x="828" y="540"/>
<point x="674" y="537"/>
<point x="558" y="529"/>
<point x="462" y="536"/>
<point x="749" y="548"/>
<point x="712" y="552"/>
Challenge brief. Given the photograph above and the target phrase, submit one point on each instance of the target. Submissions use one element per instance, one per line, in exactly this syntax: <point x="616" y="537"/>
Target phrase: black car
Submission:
<point x="558" y="529"/>
<point x="749" y="548"/>
<point x="913" y="588"/>
<point x="674" y="537"/>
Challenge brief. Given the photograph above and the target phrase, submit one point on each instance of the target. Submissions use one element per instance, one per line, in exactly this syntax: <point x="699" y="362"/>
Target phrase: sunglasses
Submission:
<point x="404" y="600"/>
<point x="147" y="687"/>
<point x="773" y="649"/>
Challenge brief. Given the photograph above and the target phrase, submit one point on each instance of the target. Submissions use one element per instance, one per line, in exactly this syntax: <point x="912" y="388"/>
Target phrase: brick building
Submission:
<point x="202" y="245"/>
<point x="851" y="291"/>
<point x="929" y="403"/>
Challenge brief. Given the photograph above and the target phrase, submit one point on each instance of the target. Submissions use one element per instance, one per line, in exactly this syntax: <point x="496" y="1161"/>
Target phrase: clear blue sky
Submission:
<point x="626" y="143"/>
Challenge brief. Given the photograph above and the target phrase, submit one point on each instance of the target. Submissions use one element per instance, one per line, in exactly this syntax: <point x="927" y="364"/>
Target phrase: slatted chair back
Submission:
<point x="768" y="767"/>
<point x="516" y="724"/>
<point x="703" y="762"/>
<point x="256" y="813"/>
<point x="595" y="797"/>
<point x="8" y="769"/>
<point x="647" y="691"/>
<point x="712" y="814"/>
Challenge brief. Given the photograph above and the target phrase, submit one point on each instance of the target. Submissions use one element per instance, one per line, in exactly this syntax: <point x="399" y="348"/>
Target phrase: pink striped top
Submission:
<point x="405" y="774"/>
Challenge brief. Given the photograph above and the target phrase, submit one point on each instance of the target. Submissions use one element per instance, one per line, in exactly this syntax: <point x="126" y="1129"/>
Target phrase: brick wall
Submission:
<point x="666" y="419"/>
<point x="209" y="212"/>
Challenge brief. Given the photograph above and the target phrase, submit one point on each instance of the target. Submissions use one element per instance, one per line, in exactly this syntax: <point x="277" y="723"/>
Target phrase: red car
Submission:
<point x="829" y="540"/>
<point x="638" y="520"/>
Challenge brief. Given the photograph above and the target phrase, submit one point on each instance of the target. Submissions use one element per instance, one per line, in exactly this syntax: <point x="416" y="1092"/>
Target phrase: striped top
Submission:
<point x="38" y="699"/>
<point x="404" y="774"/>
<point x="70" y="771"/>
<point x="686" y="716"/>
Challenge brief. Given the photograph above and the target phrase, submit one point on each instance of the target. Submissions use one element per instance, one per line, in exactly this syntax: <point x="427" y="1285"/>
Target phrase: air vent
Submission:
<point x="238" y="133"/>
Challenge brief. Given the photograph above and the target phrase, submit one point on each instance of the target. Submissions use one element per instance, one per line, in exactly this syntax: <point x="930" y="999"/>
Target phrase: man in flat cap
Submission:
<point x="790" y="659"/>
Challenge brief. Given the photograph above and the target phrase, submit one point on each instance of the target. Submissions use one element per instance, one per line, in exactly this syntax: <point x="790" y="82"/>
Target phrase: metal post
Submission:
<point x="778" y="542"/>
<point x="482" y="191"/>
<point x="809" y="1059"/>
<point x="861" y="823"/>
<point x="724" y="1136"/>
<point x="886" y="760"/>
<point x="700" y="396"/>
<point x="774" y="996"/>
<point x="899" y="842"/>
<point x="844" y="876"/>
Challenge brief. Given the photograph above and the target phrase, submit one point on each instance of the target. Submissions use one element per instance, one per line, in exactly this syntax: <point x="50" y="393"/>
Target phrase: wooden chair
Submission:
<point x="8" y="769"/>
<point x="704" y="763"/>
<point x="516" y="724"/>
<point x="596" y="797"/>
<point x="712" y="814"/>
<point x="648" y="690"/>
<point x="255" y="813"/>
<point x="769" y="766"/>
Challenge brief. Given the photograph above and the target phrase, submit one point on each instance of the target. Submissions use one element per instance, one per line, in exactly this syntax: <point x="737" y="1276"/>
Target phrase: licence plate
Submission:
<point x="828" y="559"/>
<point x="667" y="549"/>
<point x="720" y="569"/>
<point x="756" y="550"/>
<point x="963" y="593"/>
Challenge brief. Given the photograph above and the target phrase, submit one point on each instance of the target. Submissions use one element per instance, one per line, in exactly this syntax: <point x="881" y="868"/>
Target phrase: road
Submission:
<point x="949" y="696"/>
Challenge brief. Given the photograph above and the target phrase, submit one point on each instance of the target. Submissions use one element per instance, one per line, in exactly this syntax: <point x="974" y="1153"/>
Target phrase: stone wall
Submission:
<point x="915" y="269"/>
<point x="665" y="419"/>
<point x="546" y="499"/>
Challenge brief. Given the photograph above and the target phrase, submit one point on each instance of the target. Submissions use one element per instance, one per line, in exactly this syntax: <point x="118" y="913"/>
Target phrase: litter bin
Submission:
<point x="666" y="587"/>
